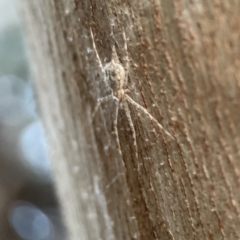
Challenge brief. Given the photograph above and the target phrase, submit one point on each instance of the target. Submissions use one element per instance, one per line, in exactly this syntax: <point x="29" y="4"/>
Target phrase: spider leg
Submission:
<point x="127" y="57"/>
<point x="115" y="121"/>
<point x="99" y="102"/>
<point x="139" y="107"/>
<point x="127" y="112"/>
<point x="95" y="49"/>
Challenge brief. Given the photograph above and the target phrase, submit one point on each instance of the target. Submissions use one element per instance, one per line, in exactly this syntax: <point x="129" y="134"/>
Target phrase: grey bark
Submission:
<point x="184" y="70"/>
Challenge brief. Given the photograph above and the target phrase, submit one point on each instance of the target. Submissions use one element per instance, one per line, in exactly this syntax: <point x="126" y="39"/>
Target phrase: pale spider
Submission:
<point x="117" y="79"/>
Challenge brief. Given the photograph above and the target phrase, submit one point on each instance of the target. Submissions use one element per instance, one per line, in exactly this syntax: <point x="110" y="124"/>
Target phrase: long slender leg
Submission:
<point x="127" y="112"/>
<point x="95" y="49"/>
<point x="115" y="121"/>
<point x="127" y="57"/>
<point x="99" y="102"/>
<point x="139" y="107"/>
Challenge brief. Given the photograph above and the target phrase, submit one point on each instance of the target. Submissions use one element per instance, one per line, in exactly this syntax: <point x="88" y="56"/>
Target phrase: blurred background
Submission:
<point x="28" y="204"/>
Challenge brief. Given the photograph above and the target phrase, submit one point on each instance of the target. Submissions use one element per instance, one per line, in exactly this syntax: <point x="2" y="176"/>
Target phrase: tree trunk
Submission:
<point x="139" y="180"/>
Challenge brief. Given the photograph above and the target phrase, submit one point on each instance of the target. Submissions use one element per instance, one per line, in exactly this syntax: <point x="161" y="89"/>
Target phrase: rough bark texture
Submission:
<point x="184" y="69"/>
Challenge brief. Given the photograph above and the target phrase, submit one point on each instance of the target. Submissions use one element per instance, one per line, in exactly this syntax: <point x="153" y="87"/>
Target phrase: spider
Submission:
<point x="116" y="77"/>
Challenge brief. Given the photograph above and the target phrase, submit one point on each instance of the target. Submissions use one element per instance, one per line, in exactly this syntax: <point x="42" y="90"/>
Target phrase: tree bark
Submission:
<point x="184" y="70"/>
